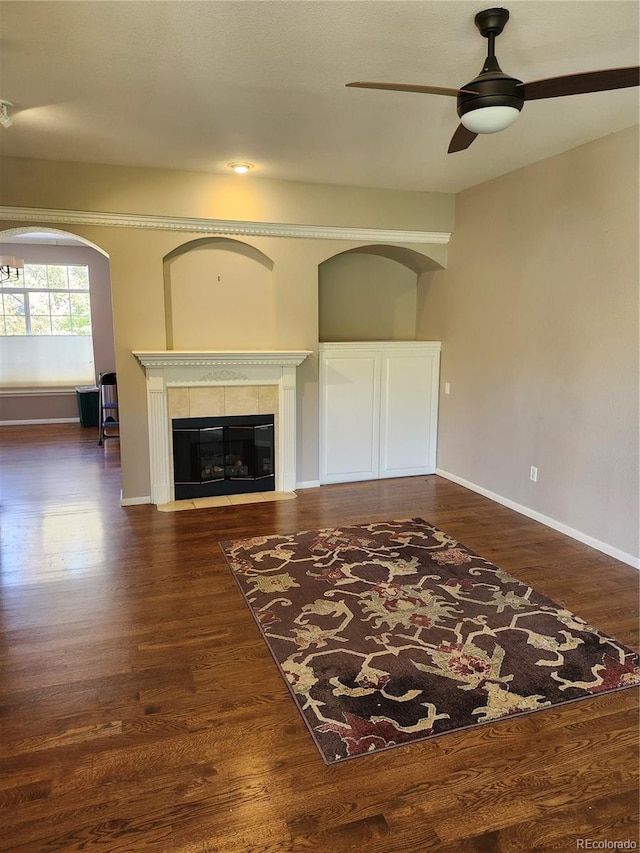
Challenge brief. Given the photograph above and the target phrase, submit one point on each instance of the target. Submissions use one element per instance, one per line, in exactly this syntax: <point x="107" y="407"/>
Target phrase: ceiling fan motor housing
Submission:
<point x="494" y="89"/>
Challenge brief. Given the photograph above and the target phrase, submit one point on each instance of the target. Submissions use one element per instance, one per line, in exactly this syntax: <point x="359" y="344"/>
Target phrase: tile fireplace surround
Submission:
<point x="240" y="376"/>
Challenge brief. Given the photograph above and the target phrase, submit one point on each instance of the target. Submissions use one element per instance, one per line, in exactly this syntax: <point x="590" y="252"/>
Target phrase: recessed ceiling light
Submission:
<point x="241" y="168"/>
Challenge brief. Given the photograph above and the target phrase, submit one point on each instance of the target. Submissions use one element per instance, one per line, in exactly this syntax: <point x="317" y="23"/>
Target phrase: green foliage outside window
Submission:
<point x="47" y="299"/>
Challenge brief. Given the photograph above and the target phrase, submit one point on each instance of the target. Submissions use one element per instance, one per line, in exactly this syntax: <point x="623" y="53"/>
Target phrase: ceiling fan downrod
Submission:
<point x="491" y="23"/>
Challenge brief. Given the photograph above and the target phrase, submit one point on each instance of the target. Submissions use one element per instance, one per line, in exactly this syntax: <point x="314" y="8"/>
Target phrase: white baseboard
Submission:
<point x="134" y="501"/>
<point x="605" y="548"/>
<point x="41" y="421"/>
<point x="308" y="484"/>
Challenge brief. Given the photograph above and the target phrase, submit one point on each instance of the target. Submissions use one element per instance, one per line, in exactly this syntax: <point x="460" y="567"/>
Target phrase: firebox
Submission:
<point x="223" y="456"/>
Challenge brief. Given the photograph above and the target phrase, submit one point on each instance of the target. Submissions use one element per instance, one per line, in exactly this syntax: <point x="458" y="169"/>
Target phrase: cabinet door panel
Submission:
<point x="349" y="425"/>
<point x="408" y="414"/>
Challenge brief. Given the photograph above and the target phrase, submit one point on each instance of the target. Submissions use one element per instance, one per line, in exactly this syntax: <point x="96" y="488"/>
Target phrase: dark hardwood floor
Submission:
<point x="141" y="711"/>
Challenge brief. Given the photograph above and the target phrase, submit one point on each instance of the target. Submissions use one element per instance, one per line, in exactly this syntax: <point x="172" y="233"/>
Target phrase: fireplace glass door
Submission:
<point x="221" y="456"/>
<point x="211" y="454"/>
<point x="249" y="452"/>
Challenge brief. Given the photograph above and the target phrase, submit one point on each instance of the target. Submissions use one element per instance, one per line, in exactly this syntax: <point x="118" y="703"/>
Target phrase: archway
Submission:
<point x="44" y="361"/>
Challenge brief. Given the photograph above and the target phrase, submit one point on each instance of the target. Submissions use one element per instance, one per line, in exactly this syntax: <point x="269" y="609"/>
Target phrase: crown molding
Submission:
<point x="219" y="226"/>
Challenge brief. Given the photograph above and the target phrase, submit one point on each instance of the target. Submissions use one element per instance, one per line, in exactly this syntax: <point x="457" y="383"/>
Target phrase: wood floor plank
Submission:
<point x="140" y="709"/>
<point x="610" y="817"/>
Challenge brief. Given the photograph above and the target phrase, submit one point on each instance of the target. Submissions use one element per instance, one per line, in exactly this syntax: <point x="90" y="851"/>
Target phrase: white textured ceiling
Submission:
<point x="194" y="85"/>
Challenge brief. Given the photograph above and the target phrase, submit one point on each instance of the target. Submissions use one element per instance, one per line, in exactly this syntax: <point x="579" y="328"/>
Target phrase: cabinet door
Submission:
<point x="409" y="413"/>
<point x="349" y="422"/>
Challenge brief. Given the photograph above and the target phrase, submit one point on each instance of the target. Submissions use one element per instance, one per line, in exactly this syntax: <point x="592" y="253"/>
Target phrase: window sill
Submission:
<point x="37" y="391"/>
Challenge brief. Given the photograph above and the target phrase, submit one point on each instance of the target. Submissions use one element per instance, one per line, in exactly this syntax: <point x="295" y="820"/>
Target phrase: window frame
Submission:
<point x="12" y="289"/>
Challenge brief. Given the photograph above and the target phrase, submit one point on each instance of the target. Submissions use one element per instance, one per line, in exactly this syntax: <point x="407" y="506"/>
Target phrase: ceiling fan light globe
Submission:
<point x="489" y="119"/>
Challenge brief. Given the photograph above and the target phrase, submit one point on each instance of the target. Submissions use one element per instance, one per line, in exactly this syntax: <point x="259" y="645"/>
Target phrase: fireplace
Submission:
<point x="220" y="383"/>
<point x="223" y="456"/>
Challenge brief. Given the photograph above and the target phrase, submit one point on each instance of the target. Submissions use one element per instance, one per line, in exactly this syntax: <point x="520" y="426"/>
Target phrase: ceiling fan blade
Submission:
<point x="578" y="84"/>
<point x="411" y="87"/>
<point x="461" y="139"/>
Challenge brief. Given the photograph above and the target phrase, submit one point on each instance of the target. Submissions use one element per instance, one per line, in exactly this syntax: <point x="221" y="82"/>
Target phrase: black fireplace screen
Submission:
<point x="223" y="456"/>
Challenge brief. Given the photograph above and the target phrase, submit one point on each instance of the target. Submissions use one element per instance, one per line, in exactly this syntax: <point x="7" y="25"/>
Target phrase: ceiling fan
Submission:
<point x="493" y="100"/>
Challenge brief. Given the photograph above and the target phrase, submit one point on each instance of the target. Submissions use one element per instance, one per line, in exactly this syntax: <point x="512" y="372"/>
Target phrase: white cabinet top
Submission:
<point x="379" y="345"/>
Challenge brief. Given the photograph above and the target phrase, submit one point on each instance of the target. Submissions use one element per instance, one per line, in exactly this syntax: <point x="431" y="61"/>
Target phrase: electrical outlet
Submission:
<point x="447" y="387"/>
<point x="533" y="474"/>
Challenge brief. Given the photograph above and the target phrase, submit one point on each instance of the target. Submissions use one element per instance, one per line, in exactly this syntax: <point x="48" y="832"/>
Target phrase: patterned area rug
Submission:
<point x="393" y="632"/>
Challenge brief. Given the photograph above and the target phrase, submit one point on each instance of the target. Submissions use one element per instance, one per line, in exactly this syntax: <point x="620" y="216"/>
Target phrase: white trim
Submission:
<point x="221" y="358"/>
<point x="196" y="225"/>
<point x="134" y="501"/>
<point x="394" y="346"/>
<point x="605" y="548"/>
<point x="308" y="484"/>
<point x="41" y="421"/>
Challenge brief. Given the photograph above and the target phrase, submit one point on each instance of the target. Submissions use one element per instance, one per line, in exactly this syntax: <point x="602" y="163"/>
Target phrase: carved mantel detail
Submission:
<point x="223" y="376"/>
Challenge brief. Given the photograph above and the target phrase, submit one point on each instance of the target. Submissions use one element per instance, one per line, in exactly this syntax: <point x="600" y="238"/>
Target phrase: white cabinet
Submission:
<point x="349" y="413"/>
<point x="378" y="409"/>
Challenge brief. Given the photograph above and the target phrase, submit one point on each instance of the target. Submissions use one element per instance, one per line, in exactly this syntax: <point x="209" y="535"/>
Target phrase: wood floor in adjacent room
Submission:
<point x="141" y="711"/>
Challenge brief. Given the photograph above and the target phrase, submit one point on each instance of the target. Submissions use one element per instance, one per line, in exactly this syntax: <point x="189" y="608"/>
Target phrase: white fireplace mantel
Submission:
<point x="200" y="358"/>
<point x="195" y="368"/>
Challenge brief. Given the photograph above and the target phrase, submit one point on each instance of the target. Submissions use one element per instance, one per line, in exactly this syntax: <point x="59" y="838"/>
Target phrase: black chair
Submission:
<point x="109" y="419"/>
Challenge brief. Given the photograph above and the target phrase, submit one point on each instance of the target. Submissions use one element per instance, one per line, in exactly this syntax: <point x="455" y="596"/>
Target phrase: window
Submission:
<point x="45" y="327"/>
<point x="48" y="299"/>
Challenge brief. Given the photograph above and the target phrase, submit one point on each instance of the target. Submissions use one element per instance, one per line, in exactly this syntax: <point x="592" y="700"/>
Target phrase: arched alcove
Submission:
<point x="371" y="293"/>
<point x="218" y="294"/>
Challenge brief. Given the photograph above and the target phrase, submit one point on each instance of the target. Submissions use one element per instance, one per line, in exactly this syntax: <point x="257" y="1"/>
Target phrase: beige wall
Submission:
<point x="538" y="317"/>
<point x="63" y="406"/>
<point x="138" y="269"/>
<point x="120" y="189"/>
<point x="220" y="297"/>
<point x="365" y="297"/>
